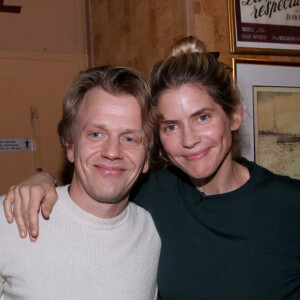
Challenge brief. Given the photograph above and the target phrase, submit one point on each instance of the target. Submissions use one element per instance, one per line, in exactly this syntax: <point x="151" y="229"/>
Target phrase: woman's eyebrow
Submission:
<point x="162" y="120"/>
<point x="201" y="111"/>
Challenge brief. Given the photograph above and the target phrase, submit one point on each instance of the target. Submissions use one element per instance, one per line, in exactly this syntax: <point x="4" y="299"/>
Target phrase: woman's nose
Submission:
<point x="190" y="137"/>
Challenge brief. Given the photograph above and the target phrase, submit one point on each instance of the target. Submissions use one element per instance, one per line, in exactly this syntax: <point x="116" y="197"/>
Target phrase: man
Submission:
<point x="97" y="246"/>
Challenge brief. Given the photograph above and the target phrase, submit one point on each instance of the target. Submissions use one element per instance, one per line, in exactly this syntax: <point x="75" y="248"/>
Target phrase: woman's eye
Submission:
<point x="203" y="118"/>
<point x="170" y="128"/>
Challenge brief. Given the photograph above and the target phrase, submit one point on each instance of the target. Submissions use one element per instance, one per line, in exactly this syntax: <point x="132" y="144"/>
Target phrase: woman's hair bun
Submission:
<point x="187" y="45"/>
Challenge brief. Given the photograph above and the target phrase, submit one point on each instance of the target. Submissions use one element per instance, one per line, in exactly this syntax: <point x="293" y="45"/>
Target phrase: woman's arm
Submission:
<point x="24" y="200"/>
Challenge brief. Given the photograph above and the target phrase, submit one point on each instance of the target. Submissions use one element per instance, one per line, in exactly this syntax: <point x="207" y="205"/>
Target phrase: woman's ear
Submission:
<point x="237" y="117"/>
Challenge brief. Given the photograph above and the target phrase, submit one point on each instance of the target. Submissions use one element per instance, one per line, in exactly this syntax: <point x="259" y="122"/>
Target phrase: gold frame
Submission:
<point x="246" y="50"/>
<point x="256" y="61"/>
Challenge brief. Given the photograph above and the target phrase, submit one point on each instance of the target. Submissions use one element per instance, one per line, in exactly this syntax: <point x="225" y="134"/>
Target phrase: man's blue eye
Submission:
<point x="96" y="134"/>
<point x="129" y="139"/>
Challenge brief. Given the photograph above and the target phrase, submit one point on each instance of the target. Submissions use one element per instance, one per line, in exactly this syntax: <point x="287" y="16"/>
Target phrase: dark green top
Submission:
<point x="244" y="244"/>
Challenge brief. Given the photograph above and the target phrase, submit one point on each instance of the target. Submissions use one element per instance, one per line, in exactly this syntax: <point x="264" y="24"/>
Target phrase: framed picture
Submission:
<point x="264" y="27"/>
<point x="270" y="93"/>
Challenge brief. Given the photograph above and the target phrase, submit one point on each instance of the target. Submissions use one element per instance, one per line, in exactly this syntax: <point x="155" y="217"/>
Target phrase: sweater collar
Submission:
<point x="81" y="216"/>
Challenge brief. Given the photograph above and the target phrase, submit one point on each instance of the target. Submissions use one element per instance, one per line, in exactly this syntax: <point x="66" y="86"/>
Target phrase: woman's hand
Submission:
<point x="23" y="202"/>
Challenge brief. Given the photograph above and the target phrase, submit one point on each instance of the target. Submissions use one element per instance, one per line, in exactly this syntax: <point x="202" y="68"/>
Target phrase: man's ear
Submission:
<point x="237" y="117"/>
<point x="146" y="164"/>
<point x="70" y="151"/>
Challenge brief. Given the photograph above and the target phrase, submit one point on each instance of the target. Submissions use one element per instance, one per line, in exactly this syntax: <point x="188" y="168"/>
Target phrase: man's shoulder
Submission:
<point x="2" y="217"/>
<point x="143" y="223"/>
<point x="2" y="197"/>
<point x="63" y="197"/>
<point x="63" y="191"/>
<point x="8" y="232"/>
<point x="139" y="212"/>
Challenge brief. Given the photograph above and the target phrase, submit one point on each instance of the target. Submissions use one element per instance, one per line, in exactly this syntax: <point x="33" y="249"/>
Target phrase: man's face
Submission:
<point x="109" y="151"/>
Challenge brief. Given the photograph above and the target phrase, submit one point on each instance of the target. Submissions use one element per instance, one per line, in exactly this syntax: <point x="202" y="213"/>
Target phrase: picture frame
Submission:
<point x="282" y="79"/>
<point x="264" y="27"/>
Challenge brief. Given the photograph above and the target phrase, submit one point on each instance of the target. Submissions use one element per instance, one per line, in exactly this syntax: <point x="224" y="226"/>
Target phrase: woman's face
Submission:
<point x="195" y="131"/>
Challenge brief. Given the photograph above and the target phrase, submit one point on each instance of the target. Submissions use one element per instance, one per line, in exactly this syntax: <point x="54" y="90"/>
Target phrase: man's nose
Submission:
<point x="112" y="149"/>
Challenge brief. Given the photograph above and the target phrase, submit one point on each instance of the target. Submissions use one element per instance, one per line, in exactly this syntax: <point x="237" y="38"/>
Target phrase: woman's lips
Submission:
<point x="196" y="155"/>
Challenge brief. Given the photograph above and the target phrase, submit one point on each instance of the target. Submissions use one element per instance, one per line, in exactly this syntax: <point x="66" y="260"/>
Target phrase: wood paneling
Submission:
<point x="43" y="48"/>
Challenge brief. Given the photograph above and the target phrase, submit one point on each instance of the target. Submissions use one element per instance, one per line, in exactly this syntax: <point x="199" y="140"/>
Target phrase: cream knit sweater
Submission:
<point x="80" y="256"/>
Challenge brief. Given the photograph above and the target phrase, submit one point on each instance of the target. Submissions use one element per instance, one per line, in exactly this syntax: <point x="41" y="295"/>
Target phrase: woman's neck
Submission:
<point x="229" y="177"/>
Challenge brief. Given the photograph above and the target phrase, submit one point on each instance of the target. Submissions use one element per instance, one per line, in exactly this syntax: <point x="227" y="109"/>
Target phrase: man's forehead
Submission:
<point x="98" y="96"/>
<point x="98" y="91"/>
<point x="103" y="108"/>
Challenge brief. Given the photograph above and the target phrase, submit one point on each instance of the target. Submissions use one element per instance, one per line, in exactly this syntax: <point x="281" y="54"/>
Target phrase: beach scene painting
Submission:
<point x="277" y="129"/>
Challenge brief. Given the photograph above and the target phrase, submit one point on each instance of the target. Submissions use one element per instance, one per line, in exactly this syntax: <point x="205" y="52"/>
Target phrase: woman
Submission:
<point x="229" y="228"/>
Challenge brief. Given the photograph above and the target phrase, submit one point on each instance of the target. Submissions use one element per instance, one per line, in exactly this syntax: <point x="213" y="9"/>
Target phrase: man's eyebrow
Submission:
<point x="93" y="125"/>
<point x="129" y="130"/>
<point x="105" y="128"/>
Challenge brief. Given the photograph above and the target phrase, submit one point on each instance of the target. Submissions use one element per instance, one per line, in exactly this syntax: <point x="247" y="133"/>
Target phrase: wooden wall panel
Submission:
<point x="133" y="32"/>
<point x="42" y="49"/>
<point x="52" y="26"/>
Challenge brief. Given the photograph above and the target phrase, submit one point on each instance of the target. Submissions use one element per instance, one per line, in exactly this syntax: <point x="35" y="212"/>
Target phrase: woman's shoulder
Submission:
<point x="287" y="183"/>
<point x="156" y="185"/>
<point x="272" y="181"/>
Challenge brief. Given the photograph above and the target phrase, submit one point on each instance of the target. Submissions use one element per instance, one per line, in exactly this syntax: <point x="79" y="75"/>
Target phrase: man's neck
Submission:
<point x="99" y="209"/>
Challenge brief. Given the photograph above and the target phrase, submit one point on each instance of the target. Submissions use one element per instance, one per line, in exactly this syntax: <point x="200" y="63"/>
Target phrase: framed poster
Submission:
<point x="279" y="83"/>
<point x="277" y="129"/>
<point x="264" y="26"/>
